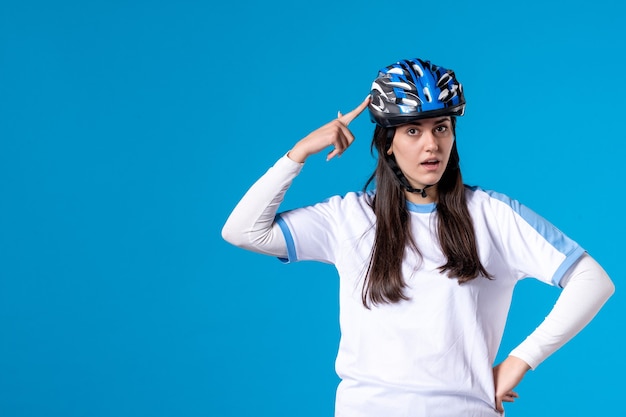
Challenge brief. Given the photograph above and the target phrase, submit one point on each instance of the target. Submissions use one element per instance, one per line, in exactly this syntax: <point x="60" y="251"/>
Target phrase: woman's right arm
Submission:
<point x="252" y="224"/>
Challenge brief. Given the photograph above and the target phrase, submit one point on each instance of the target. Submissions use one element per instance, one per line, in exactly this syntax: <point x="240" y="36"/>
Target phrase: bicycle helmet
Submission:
<point x="414" y="89"/>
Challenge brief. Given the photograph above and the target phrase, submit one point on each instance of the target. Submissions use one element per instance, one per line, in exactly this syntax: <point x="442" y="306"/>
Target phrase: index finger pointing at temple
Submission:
<point x="347" y="118"/>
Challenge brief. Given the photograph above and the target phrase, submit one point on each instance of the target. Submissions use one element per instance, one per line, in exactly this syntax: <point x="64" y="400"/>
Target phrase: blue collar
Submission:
<point x="421" y="208"/>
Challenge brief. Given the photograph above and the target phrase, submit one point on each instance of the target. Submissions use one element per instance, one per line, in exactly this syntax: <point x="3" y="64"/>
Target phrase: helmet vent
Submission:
<point x="427" y="94"/>
<point x="400" y="84"/>
<point x="418" y="70"/>
<point x="445" y="79"/>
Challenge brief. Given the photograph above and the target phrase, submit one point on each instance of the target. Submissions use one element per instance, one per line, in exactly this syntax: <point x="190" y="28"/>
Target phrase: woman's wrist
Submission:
<point x="297" y="155"/>
<point x="518" y="364"/>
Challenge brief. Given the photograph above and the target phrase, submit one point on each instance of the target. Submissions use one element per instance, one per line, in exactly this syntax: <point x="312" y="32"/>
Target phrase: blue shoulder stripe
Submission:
<point x="554" y="236"/>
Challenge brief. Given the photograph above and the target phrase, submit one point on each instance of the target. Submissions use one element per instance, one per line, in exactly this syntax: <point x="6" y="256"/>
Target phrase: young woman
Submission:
<point x="427" y="265"/>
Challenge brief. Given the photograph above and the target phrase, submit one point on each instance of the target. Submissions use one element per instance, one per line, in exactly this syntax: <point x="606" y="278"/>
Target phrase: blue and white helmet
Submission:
<point x="413" y="89"/>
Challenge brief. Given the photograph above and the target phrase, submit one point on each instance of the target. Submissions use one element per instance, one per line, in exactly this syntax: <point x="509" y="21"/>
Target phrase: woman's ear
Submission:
<point x="390" y="150"/>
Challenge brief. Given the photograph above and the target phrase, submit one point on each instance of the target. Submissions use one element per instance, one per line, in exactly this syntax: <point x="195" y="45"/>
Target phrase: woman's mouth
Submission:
<point x="431" y="164"/>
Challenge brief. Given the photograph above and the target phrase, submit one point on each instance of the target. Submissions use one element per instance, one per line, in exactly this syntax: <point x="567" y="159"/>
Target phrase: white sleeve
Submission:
<point x="586" y="288"/>
<point x="251" y="224"/>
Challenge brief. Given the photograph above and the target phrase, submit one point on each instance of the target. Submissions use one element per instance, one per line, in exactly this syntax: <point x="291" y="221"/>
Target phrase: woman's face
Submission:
<point x="422" y="150"/>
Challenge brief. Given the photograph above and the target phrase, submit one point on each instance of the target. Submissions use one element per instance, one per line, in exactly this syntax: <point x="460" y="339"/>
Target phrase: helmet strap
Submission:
<point x="404" y="182"/>
<point x="422" y="191"/>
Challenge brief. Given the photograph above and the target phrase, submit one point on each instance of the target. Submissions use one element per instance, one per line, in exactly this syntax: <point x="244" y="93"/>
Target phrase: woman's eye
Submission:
<point x="441" y="129"/>
<point x="412" y="131"/>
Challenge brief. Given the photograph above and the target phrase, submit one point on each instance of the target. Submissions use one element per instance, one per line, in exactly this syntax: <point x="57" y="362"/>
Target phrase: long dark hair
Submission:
<point x="384" y="282"/>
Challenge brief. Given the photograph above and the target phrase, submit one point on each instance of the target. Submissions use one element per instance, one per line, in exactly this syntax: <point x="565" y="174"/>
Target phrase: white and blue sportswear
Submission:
<point x="431" y="355"/>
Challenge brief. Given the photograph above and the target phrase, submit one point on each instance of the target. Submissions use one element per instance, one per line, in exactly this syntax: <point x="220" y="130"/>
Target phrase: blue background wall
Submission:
<point x="129" y="130"/>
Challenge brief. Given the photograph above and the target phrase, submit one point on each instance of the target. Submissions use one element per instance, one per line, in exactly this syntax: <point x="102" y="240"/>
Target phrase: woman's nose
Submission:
<point x="431" y="142"/>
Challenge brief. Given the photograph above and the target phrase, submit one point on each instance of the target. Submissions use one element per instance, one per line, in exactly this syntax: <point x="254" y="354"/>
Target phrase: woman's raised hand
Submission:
<point x="335" y="133"/>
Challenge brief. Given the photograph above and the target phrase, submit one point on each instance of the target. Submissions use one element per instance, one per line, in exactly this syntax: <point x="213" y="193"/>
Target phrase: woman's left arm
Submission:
<point x="586" y="288"/>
